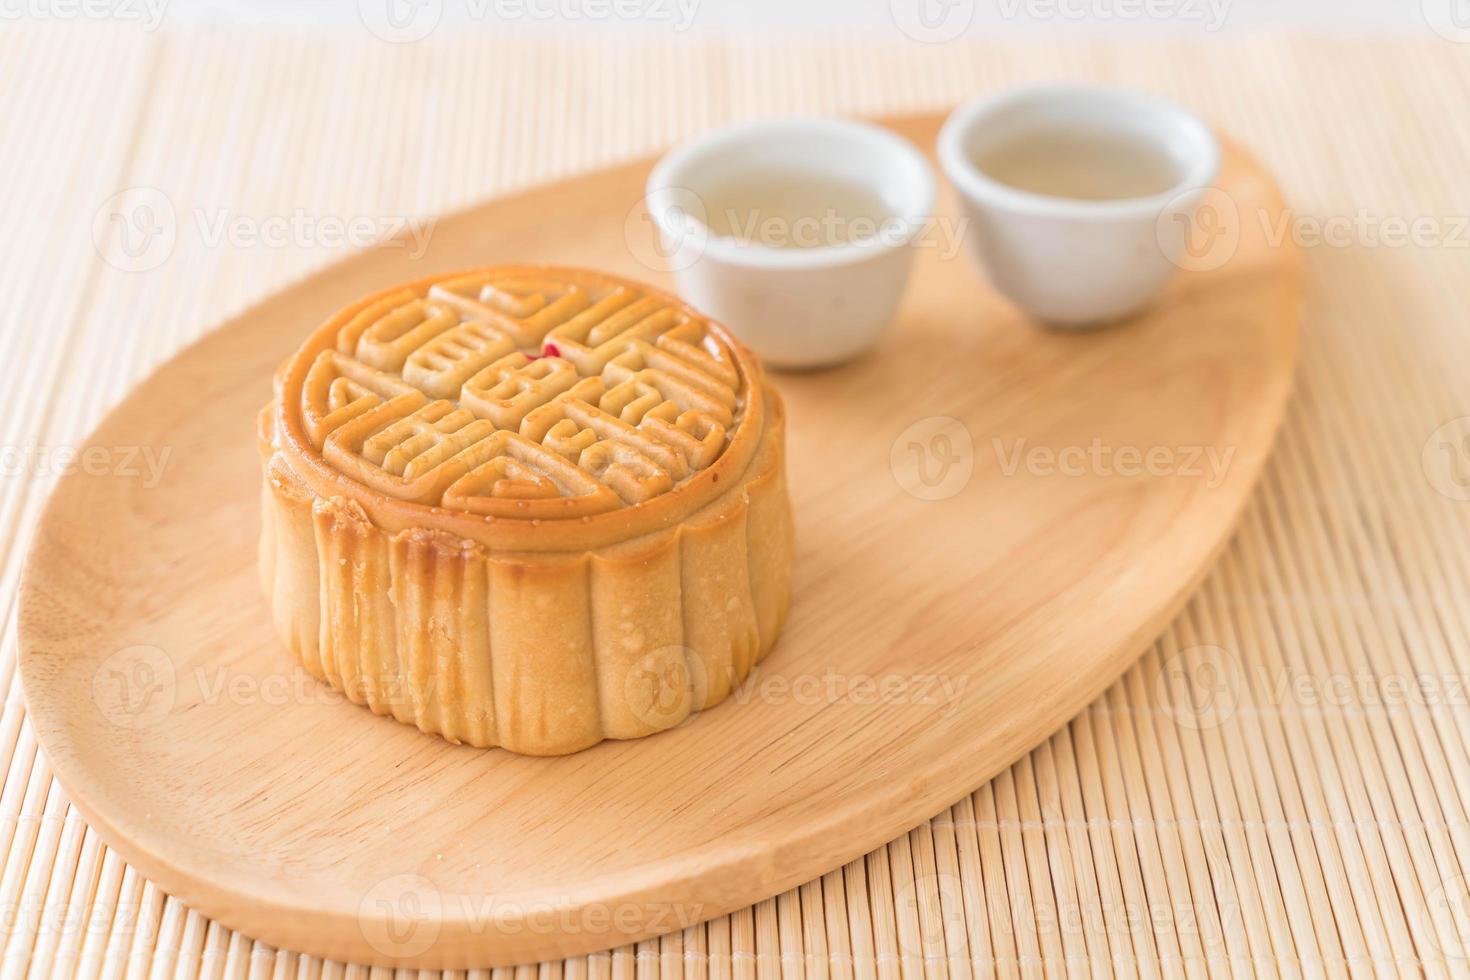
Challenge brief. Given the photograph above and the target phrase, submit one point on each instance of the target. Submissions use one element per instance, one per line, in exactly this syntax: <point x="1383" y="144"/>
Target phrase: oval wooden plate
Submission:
<point x="963" y="588"/>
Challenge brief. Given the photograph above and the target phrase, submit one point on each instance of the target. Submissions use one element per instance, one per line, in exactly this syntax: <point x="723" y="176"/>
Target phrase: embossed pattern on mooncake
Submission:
<point x="524" y="398"/>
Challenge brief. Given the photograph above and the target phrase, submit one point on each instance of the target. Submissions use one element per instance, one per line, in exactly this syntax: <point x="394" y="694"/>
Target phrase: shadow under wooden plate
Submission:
<point x="962" y="589"/>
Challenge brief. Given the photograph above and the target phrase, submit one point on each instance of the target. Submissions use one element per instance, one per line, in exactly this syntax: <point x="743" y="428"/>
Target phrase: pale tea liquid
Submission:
<point x="1084" y="166"/>
<point x="789" y="209"/>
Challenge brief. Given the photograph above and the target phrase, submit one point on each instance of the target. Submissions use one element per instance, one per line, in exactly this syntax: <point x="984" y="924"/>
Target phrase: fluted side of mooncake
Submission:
<point x="543" y="653"/>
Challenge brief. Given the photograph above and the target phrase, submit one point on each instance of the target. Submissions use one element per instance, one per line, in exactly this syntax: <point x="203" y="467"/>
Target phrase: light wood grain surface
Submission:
<point x="1312" y="820"/>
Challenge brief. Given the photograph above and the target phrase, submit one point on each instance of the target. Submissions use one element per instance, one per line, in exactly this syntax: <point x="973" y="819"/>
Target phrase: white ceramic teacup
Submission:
<point x="1064" y="260"/>
<point x="797" y="307"/>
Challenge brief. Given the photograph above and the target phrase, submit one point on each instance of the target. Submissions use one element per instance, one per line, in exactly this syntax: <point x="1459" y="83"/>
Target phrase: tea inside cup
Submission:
<point x="794" y="233"/>
<point x="1072" y="195"/>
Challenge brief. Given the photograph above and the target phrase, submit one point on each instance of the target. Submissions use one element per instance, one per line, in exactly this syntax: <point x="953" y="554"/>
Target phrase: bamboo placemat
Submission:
<point x="1278" y="787"/>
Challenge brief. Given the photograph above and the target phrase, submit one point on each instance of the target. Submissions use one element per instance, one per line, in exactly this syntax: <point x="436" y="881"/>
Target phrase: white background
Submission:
<point x="967" y="18"/>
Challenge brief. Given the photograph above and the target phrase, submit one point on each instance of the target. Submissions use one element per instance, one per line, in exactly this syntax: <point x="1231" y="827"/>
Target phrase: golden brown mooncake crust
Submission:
<point x="528" y="507"/>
